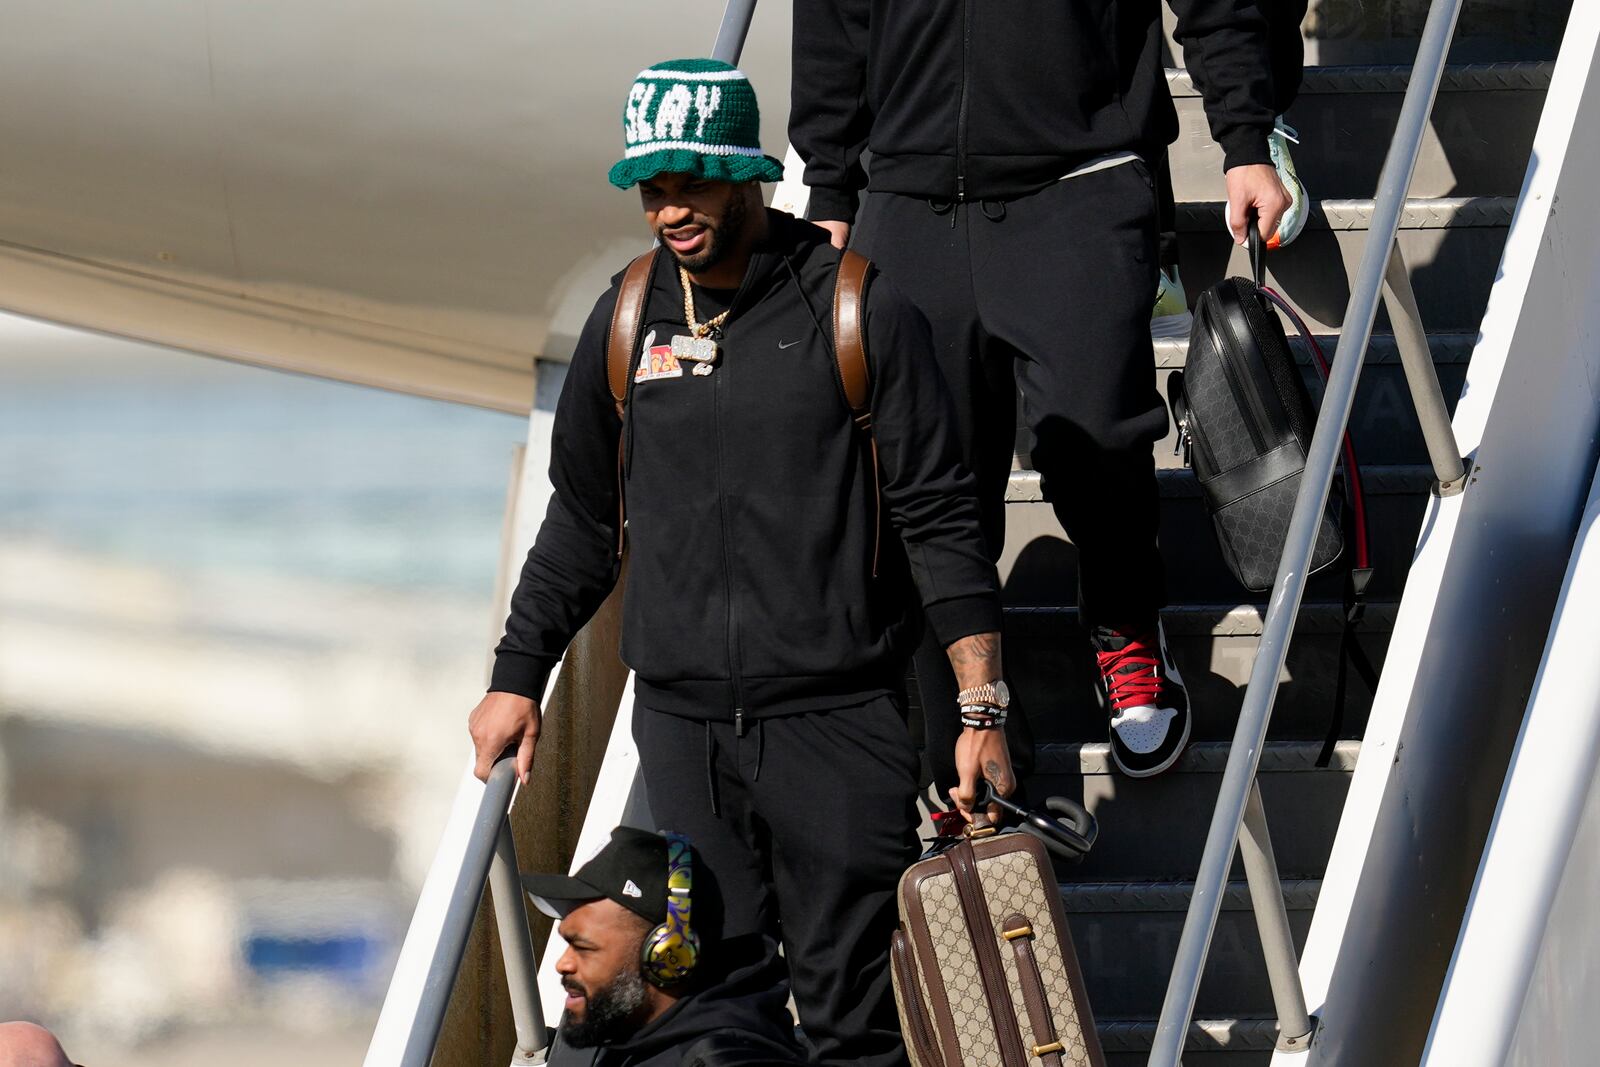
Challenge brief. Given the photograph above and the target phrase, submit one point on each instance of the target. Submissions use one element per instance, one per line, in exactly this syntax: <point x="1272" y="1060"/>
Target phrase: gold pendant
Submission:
<point x="702" y="369"/>
<point x="700" y="350"/>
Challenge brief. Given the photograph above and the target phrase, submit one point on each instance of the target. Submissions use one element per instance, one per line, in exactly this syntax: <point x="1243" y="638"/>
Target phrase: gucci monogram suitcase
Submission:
<point x="985" y="974"/>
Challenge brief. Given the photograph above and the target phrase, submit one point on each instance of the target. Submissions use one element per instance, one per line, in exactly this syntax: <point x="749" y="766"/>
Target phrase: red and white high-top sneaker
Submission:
<point x="1148" y="703"/>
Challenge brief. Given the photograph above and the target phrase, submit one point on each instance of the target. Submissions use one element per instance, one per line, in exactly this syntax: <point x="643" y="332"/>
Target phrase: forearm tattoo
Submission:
<point x="976" y="659"/>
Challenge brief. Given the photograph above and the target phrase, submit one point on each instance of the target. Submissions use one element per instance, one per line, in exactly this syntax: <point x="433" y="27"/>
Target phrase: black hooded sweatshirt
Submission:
<point x="751" y="505"/>
<point x="737" y="1018"/>
<point x="966" y="100"/>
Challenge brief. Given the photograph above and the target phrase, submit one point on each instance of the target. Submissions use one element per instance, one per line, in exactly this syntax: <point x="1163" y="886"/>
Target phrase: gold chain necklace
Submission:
<point x="698" y="329"/>
<point x="697" y="348"/>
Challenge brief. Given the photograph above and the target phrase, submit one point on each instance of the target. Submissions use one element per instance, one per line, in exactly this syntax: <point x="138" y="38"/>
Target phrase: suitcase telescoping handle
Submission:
<point x="1064" y="826"/>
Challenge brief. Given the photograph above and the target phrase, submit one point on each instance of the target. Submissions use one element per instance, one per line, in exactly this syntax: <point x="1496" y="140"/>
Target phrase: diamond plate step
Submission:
<point x="1355" y="214"/>
<point x="1053" y="676"/>
<point x="1477" y="142"/>
<point x="1126" y="934"/>
<point x="1039" y="565"/>
<point x="1202" y="757"/>
<point x="1452" y="246"/>
<point x="1155" y="828"/>
<point x="1083" y="898"/>
<point x="1225" y="1042"/>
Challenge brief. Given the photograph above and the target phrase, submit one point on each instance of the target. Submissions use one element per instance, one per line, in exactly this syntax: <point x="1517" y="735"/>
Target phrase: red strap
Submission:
<point x="1352" y="472"/>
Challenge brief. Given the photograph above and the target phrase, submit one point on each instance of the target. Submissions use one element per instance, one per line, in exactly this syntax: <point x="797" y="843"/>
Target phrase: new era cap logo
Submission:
<point x="631" y="890"/>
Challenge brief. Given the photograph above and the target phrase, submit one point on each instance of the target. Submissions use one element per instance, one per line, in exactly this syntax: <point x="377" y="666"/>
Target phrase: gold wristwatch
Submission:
<point x="994" y="694"/>
<point x="983" y="707"/>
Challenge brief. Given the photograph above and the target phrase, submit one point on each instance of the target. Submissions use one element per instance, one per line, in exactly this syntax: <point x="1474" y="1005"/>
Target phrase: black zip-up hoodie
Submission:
<point x="967" y="100"/>
<point x="751" y="508"/>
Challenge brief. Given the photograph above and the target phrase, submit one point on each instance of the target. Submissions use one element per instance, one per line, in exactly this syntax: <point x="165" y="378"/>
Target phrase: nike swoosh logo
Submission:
<point x="787" y="344"/>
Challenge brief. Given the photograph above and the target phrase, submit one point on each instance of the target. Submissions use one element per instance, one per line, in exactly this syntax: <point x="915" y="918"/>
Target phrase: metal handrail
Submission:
<point x="733" y="30"/>
<point x="1238" y="793"/>
<point x="490" y="856"/>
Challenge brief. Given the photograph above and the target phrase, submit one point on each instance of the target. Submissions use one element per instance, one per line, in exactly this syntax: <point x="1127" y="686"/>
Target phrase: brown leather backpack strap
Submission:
<point x="626" y="319"/>
<point x="850" y="350"/>
<point x="623" y="338"/>
<point x="849" y="335"/>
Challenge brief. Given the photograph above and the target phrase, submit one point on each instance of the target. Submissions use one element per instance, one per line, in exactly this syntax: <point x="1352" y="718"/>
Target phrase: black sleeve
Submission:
<point x="829" y="118"/>
<point x="572" y="566"/>
<point x="929" y="495"/>
<point x="1225" y="50"/>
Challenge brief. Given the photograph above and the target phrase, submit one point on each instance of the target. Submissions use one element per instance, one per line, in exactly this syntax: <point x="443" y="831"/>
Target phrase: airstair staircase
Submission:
<point x="1127" y="901"/>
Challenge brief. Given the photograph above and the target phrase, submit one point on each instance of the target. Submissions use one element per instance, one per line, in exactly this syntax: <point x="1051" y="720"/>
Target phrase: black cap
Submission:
<point x="631" y="870"/>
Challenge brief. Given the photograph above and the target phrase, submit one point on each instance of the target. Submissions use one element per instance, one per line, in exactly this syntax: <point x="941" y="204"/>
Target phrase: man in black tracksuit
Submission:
<point x="774" y="569"/>
<point x="1011" y="200"/>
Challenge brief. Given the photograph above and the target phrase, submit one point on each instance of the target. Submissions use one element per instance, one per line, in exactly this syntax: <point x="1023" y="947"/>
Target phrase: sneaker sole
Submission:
<point x="1164" y="765"/>
<point x="1167" y="327"/>
<point x="1278" y="239"/>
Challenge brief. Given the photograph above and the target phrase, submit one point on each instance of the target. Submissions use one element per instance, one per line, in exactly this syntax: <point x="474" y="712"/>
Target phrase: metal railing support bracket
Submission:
<point x="1451" y="488"/>
<point x="516" y="946"/>
<point x="1272" y="922"/>
<point x="1298" y="1044"/>
<point x="1411" y="341"/>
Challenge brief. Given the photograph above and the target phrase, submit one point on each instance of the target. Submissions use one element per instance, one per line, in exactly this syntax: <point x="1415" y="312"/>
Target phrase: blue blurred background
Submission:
<point x="241" y="615"/>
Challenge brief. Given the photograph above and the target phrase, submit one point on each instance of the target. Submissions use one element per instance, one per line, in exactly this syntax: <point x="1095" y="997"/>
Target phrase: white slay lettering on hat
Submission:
<point x="705" y="105"/>
<point x="637" y="121"/>
<point x="672" y="112"/>
<point x="631" y="890"/>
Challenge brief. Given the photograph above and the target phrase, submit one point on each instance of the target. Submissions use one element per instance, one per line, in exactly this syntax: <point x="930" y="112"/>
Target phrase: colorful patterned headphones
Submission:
<point x="671" y="949"/>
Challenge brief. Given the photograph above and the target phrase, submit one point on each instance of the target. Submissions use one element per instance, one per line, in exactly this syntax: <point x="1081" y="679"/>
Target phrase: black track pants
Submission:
<point x="1050" y="294"/>
<point x="806" y="823"/>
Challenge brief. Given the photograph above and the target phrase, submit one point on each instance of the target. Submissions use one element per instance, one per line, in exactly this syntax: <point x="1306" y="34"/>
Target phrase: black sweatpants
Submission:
<point x="807" y="823"/>
<point x="1049" y="293"/>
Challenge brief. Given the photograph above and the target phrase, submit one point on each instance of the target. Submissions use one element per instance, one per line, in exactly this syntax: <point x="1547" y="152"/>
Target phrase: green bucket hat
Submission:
<point x="693" y="116"/>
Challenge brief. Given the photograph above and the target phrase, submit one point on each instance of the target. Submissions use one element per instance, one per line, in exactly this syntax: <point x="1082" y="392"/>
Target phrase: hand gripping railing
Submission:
<point x="1239" y="799"/>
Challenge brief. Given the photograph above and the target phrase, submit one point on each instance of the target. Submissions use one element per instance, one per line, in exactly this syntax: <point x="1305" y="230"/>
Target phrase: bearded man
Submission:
<point x="778" y="555"/>
<point x="649" y="980"/>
